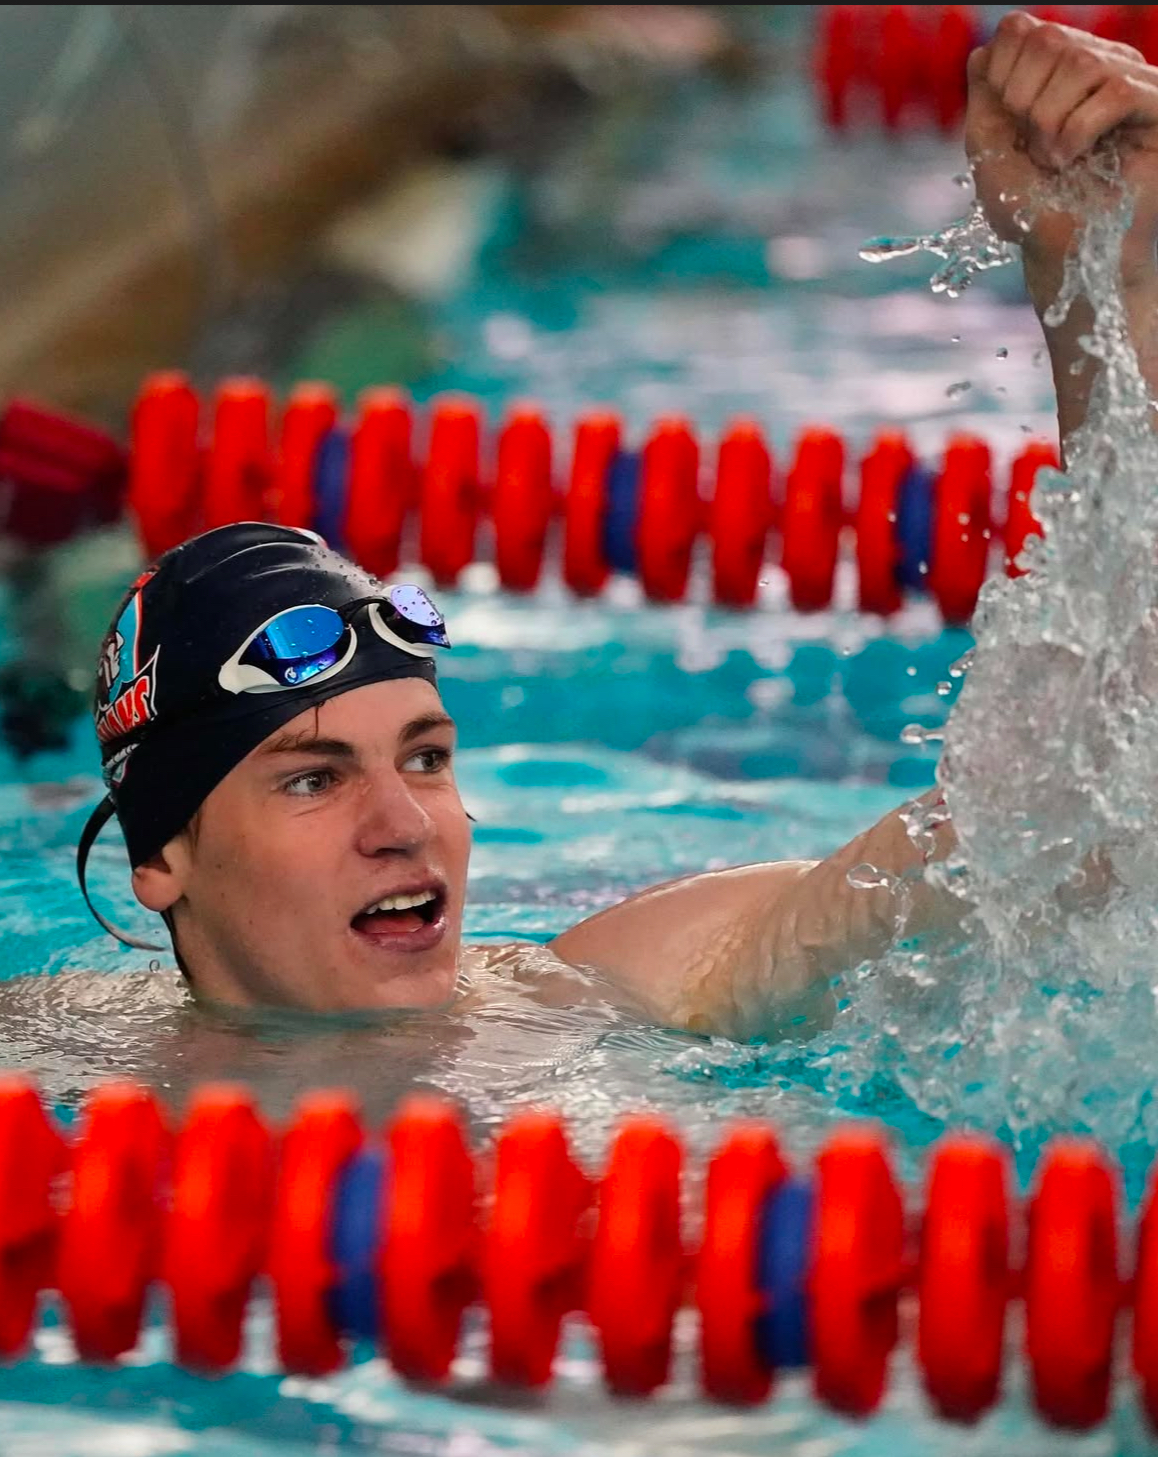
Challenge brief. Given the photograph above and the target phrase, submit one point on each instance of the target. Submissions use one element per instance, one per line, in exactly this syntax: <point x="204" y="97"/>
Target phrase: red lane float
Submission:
<point x="1072" y="1291"/>
<point x="238" y="464"/>
<point x="905" y="64"/>
<point x="964" y="1280"/>
<point x="741" y="513"/>
<point x="450" y="490"/>
<point x="961" y="528"/>
<point x="165" y="463"/>
<point x="32" y="1155"/>
<point x="61" y="475"/>
<point x="110" y="1202"/>
<point x="1132" y="25"/>
<point x="838" y="61"/>
<point x="428" y="1265"/>
<point x="323" y="1137"/>
<point x="947" y="61"/>
<point x="669" y="509"/>
<point x="534" y="1249"/>
<point x="383" y="486"/>
<point x="310" y="413"/>
<point x="896" y="64"/>
<point x="741" y="1175"/>
<point x="901" y="71"/>
<point x="110" y="1235"/>
<point x="813" y="515"/>
<point x="597" y="442"/>
<point x="218" y="1224"/>
<point x="857" y="1271"/>
<point x="877" y="553"/>
<point x="1020" y="522"/>
<point x="1144" y="1338"/>
<point x="523" y="499"/>
<point x="637" y="1259"/>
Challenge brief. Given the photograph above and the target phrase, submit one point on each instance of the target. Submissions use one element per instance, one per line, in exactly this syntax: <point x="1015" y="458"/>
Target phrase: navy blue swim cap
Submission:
<point x="168" y="728"/>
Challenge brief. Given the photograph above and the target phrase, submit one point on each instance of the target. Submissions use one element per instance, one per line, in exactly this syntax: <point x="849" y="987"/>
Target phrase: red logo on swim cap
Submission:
<point x="133" y="706"/>
<point x="126" y="691"/>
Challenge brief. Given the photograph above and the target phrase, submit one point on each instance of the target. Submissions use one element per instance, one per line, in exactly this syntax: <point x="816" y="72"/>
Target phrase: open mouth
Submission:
<point x="401" y="915"/>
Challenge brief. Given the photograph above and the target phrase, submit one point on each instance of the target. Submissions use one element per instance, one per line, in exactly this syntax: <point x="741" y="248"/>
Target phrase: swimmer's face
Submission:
<point x="350" y="805"/>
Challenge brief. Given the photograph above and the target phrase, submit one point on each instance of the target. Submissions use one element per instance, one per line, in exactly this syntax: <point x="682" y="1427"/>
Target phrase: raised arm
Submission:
<point x="1041" y="97"/>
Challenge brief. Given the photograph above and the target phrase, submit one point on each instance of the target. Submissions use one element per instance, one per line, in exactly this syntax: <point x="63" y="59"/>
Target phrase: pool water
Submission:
<point x="700" y="257"/>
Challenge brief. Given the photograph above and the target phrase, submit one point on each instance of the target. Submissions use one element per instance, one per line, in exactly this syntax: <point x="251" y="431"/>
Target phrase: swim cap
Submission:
<point x="168" y="728"/>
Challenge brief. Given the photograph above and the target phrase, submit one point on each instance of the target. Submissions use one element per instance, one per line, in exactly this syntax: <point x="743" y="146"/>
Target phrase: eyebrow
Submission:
<point x="306" y="742"/>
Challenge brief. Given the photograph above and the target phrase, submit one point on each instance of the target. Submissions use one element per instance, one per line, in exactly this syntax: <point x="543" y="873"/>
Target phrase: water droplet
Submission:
<point x="880" y="250"/>
<point x="913" y="734"/>
<point x="911" y="671"/>
<point x="1003" y="353"/>
<point x="958" y="388"/>
<point x="870" y="877"/>
<point x="954" y="338"/>
<point x="1038" y="357"/>
<point x="963" y="179"/>
<point x="944" y="688"/>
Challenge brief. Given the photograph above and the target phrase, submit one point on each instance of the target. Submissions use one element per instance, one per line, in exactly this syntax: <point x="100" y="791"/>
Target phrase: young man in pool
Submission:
<point x="281" y="764"/>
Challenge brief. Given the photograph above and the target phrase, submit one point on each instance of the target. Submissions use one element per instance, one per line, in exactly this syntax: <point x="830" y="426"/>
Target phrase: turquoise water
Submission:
<point x="699" y="255"/>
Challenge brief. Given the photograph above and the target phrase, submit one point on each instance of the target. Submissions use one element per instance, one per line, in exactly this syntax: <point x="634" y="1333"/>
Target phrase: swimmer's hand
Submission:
<point x="1041" y="97"/>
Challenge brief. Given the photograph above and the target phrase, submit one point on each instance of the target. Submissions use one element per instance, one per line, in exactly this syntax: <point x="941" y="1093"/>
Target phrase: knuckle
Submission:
<point x="1016" y="24"/>
<point x="1120" y="89"/>
<point x="1087" y="67"/>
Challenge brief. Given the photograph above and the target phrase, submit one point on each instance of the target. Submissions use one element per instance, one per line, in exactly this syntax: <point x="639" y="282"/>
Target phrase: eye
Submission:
<point x="428" y="761"/>
<point x="310" y="784"/>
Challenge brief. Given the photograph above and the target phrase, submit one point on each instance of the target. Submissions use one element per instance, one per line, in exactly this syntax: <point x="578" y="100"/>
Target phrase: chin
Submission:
<point x="416" y="990"/>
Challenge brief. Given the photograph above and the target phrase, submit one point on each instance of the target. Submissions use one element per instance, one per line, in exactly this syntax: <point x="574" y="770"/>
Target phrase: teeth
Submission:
<point x="402" y="902"/>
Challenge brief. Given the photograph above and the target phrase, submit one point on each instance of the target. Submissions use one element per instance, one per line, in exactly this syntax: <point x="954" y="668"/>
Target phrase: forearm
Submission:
<point x="825" y="924"/>
<point x="1074" y="370"/>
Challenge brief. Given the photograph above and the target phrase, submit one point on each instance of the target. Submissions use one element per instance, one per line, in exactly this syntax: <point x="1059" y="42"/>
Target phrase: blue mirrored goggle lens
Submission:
<point x="298" y="644"/>
<point x="300" y="632"/>
<point x="421" y="620"/>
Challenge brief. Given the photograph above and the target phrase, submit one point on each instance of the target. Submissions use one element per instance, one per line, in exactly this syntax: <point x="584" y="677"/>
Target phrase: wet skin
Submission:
<point x="350" y="803"/>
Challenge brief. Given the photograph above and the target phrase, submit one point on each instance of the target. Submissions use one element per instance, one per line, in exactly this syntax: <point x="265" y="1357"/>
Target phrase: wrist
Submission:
<point x="1044" y="269"/>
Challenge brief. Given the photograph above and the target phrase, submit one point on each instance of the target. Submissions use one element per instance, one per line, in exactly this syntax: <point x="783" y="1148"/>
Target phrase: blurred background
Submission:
<point x="217" y="187"/>
<point x="657" y="209"/>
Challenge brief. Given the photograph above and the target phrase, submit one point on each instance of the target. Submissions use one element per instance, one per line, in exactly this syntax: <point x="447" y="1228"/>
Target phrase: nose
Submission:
<point x="392" y="819"/>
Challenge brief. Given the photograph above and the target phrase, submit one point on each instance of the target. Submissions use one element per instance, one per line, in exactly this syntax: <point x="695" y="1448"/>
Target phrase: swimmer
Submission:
<point x="282" y="766"/>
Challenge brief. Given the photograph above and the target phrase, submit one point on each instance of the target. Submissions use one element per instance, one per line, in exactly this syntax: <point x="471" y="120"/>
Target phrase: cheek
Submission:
<point x="454" y="832"/>
<point x="273" y="863"/>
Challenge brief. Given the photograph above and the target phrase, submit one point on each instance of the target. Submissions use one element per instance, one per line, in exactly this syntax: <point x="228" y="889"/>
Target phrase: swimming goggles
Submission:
<point x="310" y="643"/>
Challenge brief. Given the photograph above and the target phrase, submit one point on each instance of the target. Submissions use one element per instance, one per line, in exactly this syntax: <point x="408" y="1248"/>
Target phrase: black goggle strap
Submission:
<point x="96" y="823"/>
<point x="410" y="629"/>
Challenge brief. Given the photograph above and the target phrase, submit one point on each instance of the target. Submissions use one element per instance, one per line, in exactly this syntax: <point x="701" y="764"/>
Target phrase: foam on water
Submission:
<point x="1040" y="1015"/>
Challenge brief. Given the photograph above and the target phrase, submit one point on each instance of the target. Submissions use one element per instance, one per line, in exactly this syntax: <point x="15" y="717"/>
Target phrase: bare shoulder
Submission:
<point x="535" y="970"/>
<point x="712" y="905"/>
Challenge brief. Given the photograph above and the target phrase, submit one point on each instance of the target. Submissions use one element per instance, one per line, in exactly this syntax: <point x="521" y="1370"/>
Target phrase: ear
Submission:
<point x="159" y="883"/>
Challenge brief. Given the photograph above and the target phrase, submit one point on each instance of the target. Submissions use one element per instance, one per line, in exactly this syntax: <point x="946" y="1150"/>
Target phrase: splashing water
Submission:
<point x="1041" y="1014"/>
<point x="969" y="246"/>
